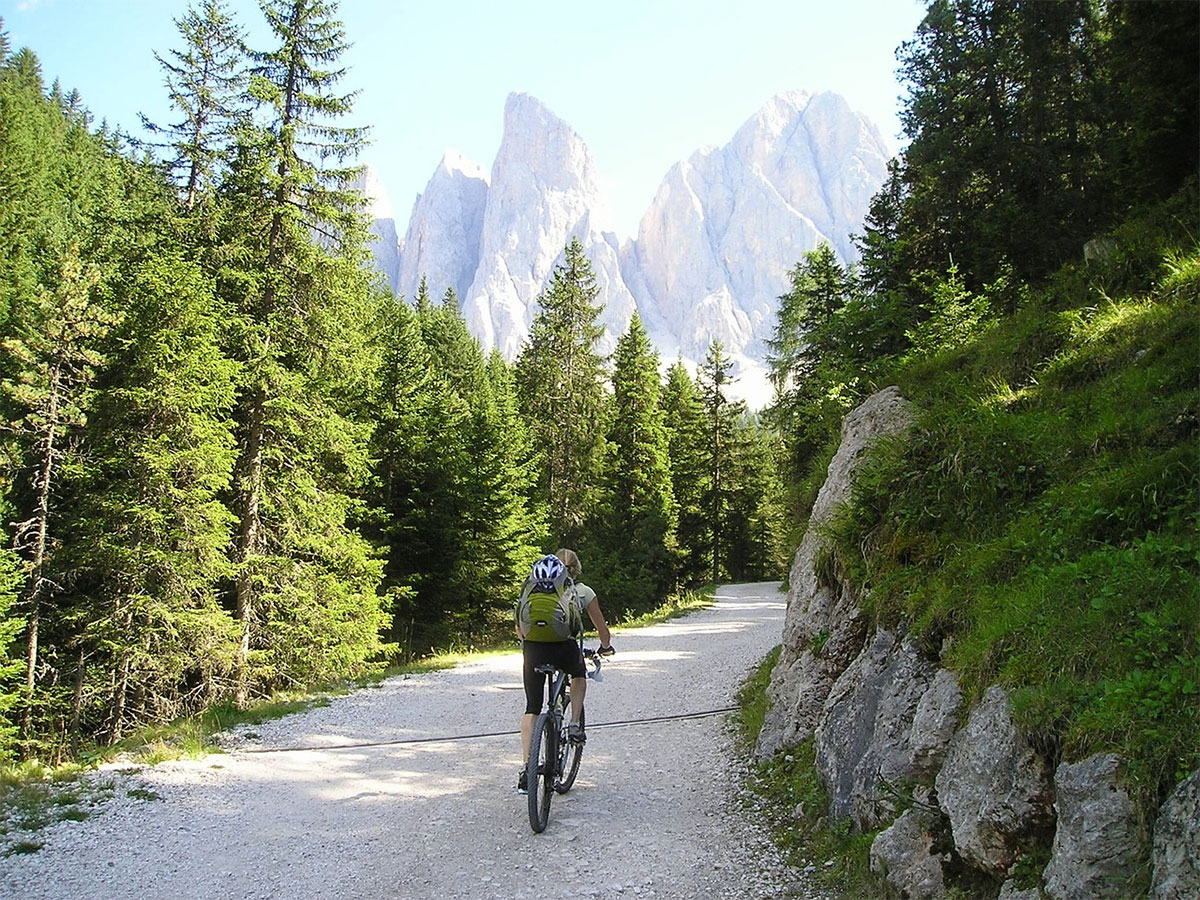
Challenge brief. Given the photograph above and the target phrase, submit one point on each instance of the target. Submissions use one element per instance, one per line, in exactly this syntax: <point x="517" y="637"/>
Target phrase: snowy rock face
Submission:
<point x="442" y="242"/>
<point x="544" y="191"/>
<point x="713" y="251"/>
<point x="384" y="243"/>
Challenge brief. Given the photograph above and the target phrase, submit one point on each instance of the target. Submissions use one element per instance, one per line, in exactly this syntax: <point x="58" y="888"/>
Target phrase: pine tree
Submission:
<point x="405" y="449"/>
<point x="205" y="82"/>
<point x="31" y="134"/>
<point x="54" y="354"/>
<point x="306" y="583"/>
<point x="814" y="361"/>
<point x="721" y="417"/>
<point x="1004" y="112"/>
<point x="635" y="515"/>
<point x="683" y="417"/>
<point x="560" y="386"/>
<point x="152" y="531"/>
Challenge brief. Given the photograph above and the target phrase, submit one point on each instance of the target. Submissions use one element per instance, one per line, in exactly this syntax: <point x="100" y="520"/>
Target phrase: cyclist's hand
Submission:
<point x="606" y="651"/>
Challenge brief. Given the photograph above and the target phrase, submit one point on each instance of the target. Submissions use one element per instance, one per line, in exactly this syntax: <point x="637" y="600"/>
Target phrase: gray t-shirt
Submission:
<point x="585" y="594"/>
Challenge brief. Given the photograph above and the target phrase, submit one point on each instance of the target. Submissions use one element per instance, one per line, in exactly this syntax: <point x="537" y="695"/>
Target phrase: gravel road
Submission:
<point x="653" y="814"/>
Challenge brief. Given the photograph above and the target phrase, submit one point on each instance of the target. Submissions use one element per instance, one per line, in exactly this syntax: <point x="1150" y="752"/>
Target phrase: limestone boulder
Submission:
<point x="904" y="854"/>
<point x="994" y="787"/>
<point x="935" y="721"/>
<point x="864" y="739"/>
<point x="1177" y="843"/>
<point x="1100" y="845"/>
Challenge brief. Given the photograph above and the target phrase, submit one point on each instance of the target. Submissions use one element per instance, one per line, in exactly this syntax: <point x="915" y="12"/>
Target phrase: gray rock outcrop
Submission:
<point x="935" y="721"/>
<point x="1099" y="840"/>
<point x="1177" y="843"/>
<point x="994" y="787"/>
<point x="904" y="854"/>
<point x="864" y="740"/>
<point x="824" y="629"/>
<point x="888" y="723"/>
<point x="1010" y="891"/>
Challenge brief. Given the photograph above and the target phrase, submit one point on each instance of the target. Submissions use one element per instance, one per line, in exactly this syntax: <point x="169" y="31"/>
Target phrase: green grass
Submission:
<point x="33" y="796"/>
<point x="678" y="605"/>
<point x="1042" y="520"/>
<point x="796" y="805"/>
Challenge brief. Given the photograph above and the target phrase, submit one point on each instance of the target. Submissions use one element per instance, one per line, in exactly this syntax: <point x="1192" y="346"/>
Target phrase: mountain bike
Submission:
<point x="553" y="757"/>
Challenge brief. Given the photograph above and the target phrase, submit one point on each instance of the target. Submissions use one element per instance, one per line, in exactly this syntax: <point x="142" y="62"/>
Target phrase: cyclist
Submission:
<point x="564" y="654"/>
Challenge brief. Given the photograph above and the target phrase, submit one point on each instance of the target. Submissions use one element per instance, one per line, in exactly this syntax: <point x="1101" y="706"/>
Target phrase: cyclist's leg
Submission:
<point x="573" y="664"/>
<point x="578" y="691"/>
<point x="534" y="654"/>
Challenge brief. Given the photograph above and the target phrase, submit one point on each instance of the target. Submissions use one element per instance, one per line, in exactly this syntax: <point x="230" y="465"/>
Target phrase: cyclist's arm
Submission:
<point x="597" y="617"/>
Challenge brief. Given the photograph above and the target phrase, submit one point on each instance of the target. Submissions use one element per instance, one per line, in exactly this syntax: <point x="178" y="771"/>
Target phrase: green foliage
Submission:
<point x="683" y="418"/>
<point x="1047" y="527"/>
<point x="752" y="701"/>
<point x="10" y="656"/>
<point x="1031" y="126"/>
<point x="631" y="544"/>
<point x="204" y="82"/>
<point x="151" y="531"/>
<point x="561" y="396"/>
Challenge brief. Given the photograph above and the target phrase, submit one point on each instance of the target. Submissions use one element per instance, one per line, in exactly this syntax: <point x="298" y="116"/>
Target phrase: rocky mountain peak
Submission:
<point x="713" y="250"/>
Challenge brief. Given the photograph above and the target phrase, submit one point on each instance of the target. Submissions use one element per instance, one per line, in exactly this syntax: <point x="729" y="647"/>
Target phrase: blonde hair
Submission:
<point x="570" y="559"/>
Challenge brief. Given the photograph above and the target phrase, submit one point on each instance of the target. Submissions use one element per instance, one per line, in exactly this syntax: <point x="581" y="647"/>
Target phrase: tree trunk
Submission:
<point x="120" y="700"/>
<point x="77" y="705"/>
<point x="252" y="480"/>
<point x="41" y="524"/>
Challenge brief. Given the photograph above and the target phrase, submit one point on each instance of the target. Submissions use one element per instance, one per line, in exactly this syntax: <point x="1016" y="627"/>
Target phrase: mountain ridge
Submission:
<point x="712" y="251"/>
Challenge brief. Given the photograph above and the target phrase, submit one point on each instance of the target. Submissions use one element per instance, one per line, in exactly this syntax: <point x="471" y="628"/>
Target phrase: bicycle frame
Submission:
<point x="553" y="758"/>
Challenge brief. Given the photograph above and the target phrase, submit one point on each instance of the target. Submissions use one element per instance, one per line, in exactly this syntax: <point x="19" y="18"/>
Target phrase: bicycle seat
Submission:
<point x="547" y="669"/>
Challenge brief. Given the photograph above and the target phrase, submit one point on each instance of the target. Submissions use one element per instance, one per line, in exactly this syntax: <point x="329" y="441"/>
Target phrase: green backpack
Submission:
<point x="549" y="610"/>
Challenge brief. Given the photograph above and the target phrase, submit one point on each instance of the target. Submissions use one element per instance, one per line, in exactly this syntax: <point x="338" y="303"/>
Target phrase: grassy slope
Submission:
<point x="1039" y="528"/>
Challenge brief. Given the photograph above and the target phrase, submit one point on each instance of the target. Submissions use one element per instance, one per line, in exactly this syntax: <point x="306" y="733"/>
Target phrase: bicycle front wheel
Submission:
<point x="540" y="771"/>
<point x="568" y="756"/>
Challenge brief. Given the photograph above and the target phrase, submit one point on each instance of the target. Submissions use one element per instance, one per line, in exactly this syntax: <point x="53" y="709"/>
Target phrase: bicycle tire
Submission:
<point x="569" y="755"/>
<point x="540" y="771"/>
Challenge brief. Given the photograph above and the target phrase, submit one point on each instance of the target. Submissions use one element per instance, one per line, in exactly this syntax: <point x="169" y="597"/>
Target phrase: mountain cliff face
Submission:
<point x="442" y="241"/>
<point x="712" y="252"/>
<point x="714" y="248"/>
<point x="544" y="191"/>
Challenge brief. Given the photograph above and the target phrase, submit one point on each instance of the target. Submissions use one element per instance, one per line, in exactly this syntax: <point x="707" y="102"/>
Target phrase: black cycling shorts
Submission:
<point x="564" y="654"/>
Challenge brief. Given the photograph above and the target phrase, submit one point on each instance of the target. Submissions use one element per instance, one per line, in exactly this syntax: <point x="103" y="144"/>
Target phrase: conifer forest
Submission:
<point x="232" y="462"/>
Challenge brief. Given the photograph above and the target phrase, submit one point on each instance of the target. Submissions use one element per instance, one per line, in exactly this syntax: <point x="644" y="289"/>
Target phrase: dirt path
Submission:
<point x="652" y="813"/>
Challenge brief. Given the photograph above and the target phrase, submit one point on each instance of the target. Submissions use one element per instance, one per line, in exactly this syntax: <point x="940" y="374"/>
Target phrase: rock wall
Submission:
<point x="889" y="724"/>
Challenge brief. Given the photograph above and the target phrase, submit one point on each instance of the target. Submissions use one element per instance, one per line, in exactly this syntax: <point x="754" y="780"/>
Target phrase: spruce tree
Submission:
<point x="404" y="447"/>
<point x="683" y="417"/>
<point x="31" y="135"/>
<point x="721" y="417"/>
<point x="635" y="515"/>
<point x="814" y="360"/>
<point x="560" y="385"/>
<point x="206" y="84"/>
<point x="306" y="580"/>
<point x="152" y="530"/>
<point x="54" y="355"/>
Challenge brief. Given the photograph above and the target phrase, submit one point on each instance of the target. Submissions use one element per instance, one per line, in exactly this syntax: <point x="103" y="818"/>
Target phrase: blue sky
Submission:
<point x="643" y="82"/>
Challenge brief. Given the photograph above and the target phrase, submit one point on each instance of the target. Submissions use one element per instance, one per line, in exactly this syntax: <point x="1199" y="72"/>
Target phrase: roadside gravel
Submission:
<point x="655" y="812"/>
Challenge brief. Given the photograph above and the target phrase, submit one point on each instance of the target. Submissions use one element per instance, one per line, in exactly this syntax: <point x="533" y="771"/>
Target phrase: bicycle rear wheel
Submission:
<point x="540" y="770"/>
<point x="568" y="755"/>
